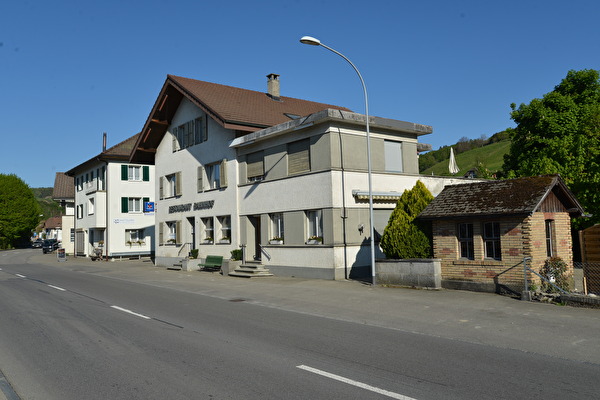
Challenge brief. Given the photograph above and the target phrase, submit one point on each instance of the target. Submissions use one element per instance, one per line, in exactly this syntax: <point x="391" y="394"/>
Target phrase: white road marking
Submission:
<point x="355" y="383"/>
<point x="57" y="288"/>
<point x="20" y="276"/>
<point x="130" y="312"/>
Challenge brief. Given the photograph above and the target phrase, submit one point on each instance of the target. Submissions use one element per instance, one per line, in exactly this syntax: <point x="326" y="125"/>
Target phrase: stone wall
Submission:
<point x="420" y="273"/>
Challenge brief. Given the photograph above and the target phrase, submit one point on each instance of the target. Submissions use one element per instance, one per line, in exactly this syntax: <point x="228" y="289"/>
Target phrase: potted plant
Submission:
<point x="276" y="240"/>
<point x="208" y="240"/>
<point x="171" y="241"/>
<point x="225" y="239"/>
<point x="128" y="243"/>
<point x="315" y="240"/>
<point x="194" y="254"/>
<point x="101" y="243"/>
<point x="141" y="242"/>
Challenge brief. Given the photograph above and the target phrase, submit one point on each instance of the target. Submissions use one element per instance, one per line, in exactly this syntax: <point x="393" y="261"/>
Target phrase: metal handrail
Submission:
<point x="262" y="249"/>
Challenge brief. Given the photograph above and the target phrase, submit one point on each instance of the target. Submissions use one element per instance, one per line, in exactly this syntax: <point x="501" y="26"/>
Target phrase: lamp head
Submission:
<point x="310" y="40"/>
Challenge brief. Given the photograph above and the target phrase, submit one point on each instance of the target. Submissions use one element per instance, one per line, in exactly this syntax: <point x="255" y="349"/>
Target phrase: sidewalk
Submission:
<point x="484" y="318"/>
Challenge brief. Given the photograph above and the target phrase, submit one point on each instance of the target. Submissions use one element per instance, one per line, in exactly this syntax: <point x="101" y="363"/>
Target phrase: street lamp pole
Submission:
<point x="316" y="42"/>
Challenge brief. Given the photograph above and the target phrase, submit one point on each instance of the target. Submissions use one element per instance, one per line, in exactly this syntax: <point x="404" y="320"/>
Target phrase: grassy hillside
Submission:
<point x="49" y="207"/>
<point x="492" y="157"/>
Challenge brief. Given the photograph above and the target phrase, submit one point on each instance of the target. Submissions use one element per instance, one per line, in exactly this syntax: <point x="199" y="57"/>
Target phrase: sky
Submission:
<point x="71" y="70"/>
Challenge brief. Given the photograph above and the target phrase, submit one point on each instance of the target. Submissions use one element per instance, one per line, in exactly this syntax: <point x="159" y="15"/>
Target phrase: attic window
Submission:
<point x="292" y="116"/>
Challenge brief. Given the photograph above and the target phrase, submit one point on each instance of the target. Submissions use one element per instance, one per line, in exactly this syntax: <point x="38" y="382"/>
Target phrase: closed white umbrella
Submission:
<point x="452" y="166"/>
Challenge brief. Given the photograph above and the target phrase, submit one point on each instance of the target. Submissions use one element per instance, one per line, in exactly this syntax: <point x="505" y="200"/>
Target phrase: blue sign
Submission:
<point x="148" y="206"/>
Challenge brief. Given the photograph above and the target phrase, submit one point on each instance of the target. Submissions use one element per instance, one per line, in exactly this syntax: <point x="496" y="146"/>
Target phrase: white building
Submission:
<point x="284" y="178"/>
<point x="110" y="199"/>
<point x="64" y="193"/>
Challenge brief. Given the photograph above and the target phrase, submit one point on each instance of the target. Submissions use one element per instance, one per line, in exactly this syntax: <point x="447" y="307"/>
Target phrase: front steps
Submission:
<point x="250" y="270"/>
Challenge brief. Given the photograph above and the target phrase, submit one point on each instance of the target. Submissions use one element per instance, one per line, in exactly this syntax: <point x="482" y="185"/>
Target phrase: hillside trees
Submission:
<point x="19" y="211"/>
<point x="560" y="133"/>
<point x="403" y="237"/>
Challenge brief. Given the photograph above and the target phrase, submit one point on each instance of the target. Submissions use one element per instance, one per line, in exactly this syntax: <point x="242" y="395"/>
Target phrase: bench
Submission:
<point x="212" y="263"/>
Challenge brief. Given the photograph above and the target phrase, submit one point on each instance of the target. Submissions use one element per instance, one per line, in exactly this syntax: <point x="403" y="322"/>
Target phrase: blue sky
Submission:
<point x="71" y="70"/>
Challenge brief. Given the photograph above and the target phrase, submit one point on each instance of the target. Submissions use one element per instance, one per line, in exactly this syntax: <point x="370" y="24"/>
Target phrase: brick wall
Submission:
<point x="519" y="238"/>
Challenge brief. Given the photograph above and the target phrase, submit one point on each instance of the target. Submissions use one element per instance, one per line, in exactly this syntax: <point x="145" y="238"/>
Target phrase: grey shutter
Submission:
<point x="255" y="165"/>
<point x="160" y="233"/>
<point x="200" y="179"/>
<point x="178" y="232"/>
<point x="178" y="184"/>
<point x="161" y="188"/>
<point x="223" y="174"/>
<point x="299" y="156"/>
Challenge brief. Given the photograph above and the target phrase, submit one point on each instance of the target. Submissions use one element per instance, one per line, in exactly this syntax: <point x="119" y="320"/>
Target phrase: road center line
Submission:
<point x="57" y="288"/>
<point x="130" y="312"/>
<point x="355" y="383"/>
<point x="20" y="276"/>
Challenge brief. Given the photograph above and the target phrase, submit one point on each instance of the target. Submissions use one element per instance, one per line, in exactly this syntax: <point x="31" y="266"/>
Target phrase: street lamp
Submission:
<point x="316" y="42"/>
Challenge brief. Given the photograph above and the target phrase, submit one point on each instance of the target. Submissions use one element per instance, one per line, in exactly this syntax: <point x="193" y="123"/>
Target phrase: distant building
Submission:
<point x="64" y="194"/>
<point x="110" y="199"/>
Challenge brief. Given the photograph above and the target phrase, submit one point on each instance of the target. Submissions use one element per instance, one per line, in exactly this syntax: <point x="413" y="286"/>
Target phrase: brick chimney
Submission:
<point x="273" y="86"/>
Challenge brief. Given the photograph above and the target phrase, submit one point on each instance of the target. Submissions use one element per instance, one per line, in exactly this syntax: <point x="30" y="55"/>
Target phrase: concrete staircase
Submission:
<point x="250" y="270"/>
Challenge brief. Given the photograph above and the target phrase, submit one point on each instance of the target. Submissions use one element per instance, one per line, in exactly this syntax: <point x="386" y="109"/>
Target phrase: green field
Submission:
<point x="492" y="157"/>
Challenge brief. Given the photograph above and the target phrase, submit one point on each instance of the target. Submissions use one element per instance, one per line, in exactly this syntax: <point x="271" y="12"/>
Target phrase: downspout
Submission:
<point x="344" y="210"/>
<point x="106" y="201"/>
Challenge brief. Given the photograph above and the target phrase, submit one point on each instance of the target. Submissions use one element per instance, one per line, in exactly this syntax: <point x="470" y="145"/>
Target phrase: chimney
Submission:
<point x="273" y="86"/>
<point x="104" y="142"/>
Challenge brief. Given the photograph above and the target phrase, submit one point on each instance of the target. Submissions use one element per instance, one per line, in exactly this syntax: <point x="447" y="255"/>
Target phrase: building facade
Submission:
<point x="284" y="179"/>
<point x="114" y="214"/>
<point x="64" y="193"/>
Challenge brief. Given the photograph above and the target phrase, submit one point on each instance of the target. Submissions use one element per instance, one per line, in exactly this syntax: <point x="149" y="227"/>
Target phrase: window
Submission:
<point x="216" y="176"/>
<point x="255" y="169"/>
<point x="170" y="185"/>
<point x="315" y="225"/>
<point x="101" y="178"/>
<point x="134" y="235"/>
<point x="298" y="156"/>
<point x="225" y="223"/>
<point x="549" y="237"/>
<point x="189" y="134"/>
<point x="133" y="204"/>
<point x="80" y="211"/>
<point x="80" y="183"/>
<point x="393" y="156"/>
<point x="277" y="226"/>
<point x="91" y="206"/>
<point x="173" y="231"/>
<point x="72" y="235"/>
<point x="135" y="173"/>
<point x="465" y="240"/>
<point x="491" y="240"/>
<point x="208" y="229"/>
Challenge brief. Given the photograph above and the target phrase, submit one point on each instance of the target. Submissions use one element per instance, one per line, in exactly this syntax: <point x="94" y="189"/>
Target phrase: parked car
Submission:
<point x="49" y="245"/>
<point x="36" y="244"/>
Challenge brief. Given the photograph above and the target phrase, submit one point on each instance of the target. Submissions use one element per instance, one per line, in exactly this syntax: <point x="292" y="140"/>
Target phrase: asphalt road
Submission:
<point x="77" y="333"/>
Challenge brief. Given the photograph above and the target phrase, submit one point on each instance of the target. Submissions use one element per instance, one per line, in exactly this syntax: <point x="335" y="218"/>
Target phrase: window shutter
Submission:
<point x="178" y="232"/>
<point x="200" y="179"/>
<point x="124" y="204"/>
<point x="124" y="174"/>
<point x="255" y="165"/>
<point x="204" y="129"/>
<point x="146" y="173"/>
<point x="299" y="156"/>
<point x="223" y="174"/>
<point x="178" y="184"/>
<point x="161" y="188"/>
<point x="160" y="232"/>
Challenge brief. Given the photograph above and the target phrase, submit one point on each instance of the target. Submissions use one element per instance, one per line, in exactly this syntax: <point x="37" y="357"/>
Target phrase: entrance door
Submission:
<point x="255" y="221"/>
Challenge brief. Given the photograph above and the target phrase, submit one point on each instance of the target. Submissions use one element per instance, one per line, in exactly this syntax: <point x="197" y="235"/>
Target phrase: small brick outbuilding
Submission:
<point x="483" y="231"/>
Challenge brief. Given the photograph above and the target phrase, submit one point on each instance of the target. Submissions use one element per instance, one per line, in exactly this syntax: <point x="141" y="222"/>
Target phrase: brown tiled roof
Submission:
<point x="520" y="196"/>
<point x="64" y="187"/>
<point x="247" y="107"/>
<point x="53" y="222"/>
<point x="233" y="108"/>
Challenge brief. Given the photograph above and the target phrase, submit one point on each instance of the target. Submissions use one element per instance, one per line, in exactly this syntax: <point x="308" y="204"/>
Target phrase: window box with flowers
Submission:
<point x="208" y="240"/>
<point x="276" y="240"/>
<point x="315" y="240"/>
<point x="225" y="240"/>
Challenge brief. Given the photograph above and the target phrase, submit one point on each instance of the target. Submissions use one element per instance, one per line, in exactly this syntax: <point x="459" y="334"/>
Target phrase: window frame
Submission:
<point x="277" y="226"/>
<point x="314" y="225"/>
<point x="492" y="240"/>
<point x="466" y="244"/>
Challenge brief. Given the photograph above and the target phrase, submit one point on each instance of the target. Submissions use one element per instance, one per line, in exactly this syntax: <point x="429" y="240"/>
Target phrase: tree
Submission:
<point x="403" y="237"/>
<point x="560" y="133"/>
<point x="19" y="211"/>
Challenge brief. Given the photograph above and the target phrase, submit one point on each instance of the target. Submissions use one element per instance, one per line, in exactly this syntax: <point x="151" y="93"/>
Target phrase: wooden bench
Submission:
<point x="212" y="263"/>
